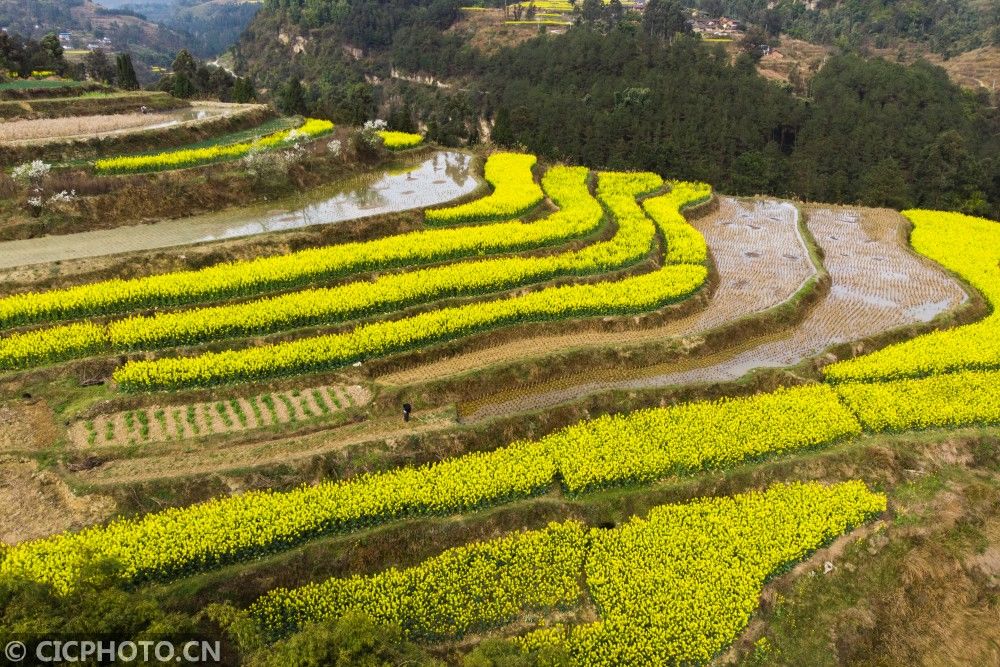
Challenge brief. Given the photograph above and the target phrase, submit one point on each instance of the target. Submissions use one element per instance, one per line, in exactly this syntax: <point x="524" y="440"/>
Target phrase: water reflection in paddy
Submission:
<point x="428" y="180"/>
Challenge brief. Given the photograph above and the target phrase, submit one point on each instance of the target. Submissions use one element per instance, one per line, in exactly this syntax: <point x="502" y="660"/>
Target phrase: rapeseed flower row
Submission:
<point x="185" y="540"/>
<point x="969" y="247"/>
<point x="180" y="159"/>
<point x="959" y="399"/>
<point x="469" y="587"/>
<point x="268" y="274"/>
<point x="398" y="141"/>
<point x="674" y="588"/>
<point x="567" y="187"/>
<point x="515" y="193"/>
<point x="631" y="295"/>
<point x="685" y="244"/>
<point x="46" y="346"/>
<point x="651" y="444"/>
<point x="678" y="587"/>
<point x="394" y="291"/>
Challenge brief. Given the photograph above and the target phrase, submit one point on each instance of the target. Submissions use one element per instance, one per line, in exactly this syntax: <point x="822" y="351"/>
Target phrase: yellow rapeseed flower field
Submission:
<point x="958" y="399"/>
<point x="180" y="159"/>
<point x="398" y="141"/>
<point x="678" y="587"/>
<point x="674" y="588"/>
<point x="268" y="274"/>
<point x="635" y="294"/>
<point x="515" y="193"/>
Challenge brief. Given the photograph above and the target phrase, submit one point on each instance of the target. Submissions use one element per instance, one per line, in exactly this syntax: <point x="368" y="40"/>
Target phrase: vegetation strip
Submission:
<point x="675" y="587"/>
<point x="184" y="540"/>
<point x="515" y="193"/>
<point x="567" y="186"/>
<point x="399" y="141"/>
<point x="269" y="274"/>
<point x="631" y="295"/>
<point x="959" y="399"/>
<point x="969" y="247"/>
<point x="181" y="159"/>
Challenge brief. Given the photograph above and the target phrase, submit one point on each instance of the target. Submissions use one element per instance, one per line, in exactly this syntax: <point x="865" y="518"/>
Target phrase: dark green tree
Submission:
<point x="185" y="64"/>
<point x="950" y="176"/>
<point x="663" y="19"/>
<point x="885" y="184"/>
<point x="127" y="79"/>
<point x="94" y="608"/>
<point x="503" y="132"/>
<point x="755" y="42"/>
<point x="53" y="49"/>
<point x="243" y="91"/>
<point x="591" y="11"/>
<point x="292" y="98"/>
<point x="98" y="66"/>
<point x="615" y="12"/>
<point x="182" y="86"/>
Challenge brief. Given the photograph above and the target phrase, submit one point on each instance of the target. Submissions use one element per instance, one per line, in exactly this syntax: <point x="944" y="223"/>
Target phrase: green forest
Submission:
<point x="621" y="93"/>
<point x="946" y="26"/>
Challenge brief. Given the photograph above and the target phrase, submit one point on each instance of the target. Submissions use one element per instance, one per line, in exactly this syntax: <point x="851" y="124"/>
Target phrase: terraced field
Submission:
<point x="877" y="284"/>
<point x="157" y="424"/>
<point x="280" y="433"/>
<point x="761" y="259"/>
<point x="40" y="131"/>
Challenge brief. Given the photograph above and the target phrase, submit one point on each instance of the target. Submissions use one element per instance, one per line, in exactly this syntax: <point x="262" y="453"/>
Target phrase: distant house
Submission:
<point x="717" y="28"/>
<point x="65" y="37"/>
<point x="103" y="44"/>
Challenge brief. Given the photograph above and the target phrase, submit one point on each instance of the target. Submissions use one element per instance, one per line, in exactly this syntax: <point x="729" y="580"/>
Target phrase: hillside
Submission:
<point x="153" y="31"/>
<point x="92" y="26"/>
<point x="947" y="27"/>
<point x="209" y="26"/>
<point x="334" y="396"/>
<point x="614" y="94"/>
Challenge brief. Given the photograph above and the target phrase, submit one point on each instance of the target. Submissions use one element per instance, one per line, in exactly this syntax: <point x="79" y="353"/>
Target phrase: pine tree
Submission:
<point x="292" y="98"/>
<point x="243" y="91"/>
<point x="127" y="79"/>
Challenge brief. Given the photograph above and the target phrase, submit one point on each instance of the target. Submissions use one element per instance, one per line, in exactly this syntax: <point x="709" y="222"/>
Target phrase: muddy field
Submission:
<point x="761" y="259"/>
<point x="877" y="284"/>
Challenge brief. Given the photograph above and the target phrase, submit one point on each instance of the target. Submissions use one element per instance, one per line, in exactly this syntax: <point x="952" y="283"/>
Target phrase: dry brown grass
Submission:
<point x="64" y="128"/>
<point x="35" y="503"/>
<point x="18" y="132"/>
<point x="794" y="62"/>
<point x="487" y="31"/>
<point x="974" y="69"/>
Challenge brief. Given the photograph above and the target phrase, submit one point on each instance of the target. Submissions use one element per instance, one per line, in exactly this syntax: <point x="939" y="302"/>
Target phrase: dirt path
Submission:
<point x="42" y="131"/>
<point x="878" y="284"/>
<point x="761" y="259"/>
